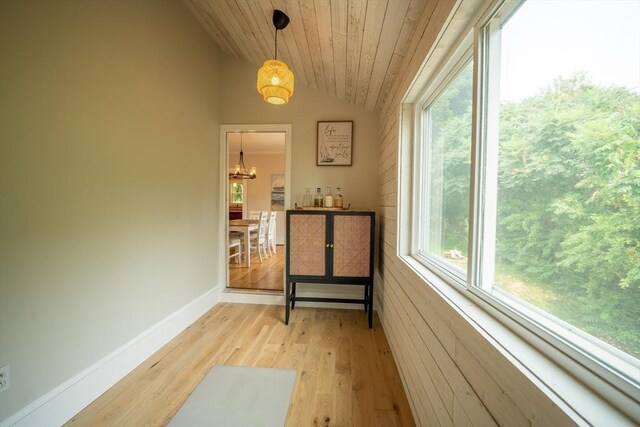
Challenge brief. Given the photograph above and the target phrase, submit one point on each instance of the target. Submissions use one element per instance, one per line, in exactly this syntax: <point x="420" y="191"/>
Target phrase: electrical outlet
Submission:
<point x="4" y="378"/>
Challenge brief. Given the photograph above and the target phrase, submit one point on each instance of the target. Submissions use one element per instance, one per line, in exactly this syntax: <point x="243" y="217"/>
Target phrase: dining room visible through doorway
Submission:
<point x="256" y="220"/>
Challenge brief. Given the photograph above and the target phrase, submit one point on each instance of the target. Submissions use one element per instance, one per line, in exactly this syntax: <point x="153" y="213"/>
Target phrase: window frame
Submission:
<point x="233" y="193"/>
<point x="599" y="365"/>
<point x="462" y="56"/>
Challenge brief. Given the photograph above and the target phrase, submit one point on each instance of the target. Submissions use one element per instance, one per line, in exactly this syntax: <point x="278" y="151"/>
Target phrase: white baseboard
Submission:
<point x="60" y="404"/>
<point x="239" y="297"/>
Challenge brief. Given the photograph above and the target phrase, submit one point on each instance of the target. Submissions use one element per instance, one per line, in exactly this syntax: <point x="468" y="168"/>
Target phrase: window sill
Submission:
<point x="531" y="356"/>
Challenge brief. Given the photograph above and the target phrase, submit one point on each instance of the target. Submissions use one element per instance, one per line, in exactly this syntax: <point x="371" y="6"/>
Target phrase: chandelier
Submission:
<point x="240" y="171"/>
<point x="275" y="79"/>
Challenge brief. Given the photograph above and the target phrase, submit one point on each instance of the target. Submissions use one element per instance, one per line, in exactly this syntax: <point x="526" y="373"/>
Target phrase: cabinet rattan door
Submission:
<point x="351" y="245"/>
<point x="307" y="242"/>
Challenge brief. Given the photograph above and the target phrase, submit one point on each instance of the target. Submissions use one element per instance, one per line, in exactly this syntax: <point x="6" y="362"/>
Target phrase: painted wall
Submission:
<point x="259" y="189"/>
<point x="109" y="177"/>
<point x="243" y="105"/>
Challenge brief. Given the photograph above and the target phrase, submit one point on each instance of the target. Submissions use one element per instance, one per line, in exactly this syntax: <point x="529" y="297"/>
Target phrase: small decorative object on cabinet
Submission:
<point x="330" y="247"/>
<point x="318" y="199"/>
<point x="338" y="202"/>
<point x="328" y="198"/>
<point x="307" y="199"/>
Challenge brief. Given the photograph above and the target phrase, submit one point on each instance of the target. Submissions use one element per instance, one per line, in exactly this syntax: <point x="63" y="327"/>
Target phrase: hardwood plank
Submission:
<point x="471" y="402"/>
<point x="346" y="48"/>
<point x="460" y="418"/>
<point x="357" y="10"/>
<point x="503" y="408"/>
<point x="325" y="36"/>
<point x="228" y="25"/>
<point x="424" y="35"/>
<point x="256" y="28"/>
<point x="372" y="31"/>
<point x="421" y="408"/>
<point x="307" y="9"/>
<point x="247" y="27"/>
<point x="239" y="334"/>
<point x="300" y="38"/>
<point x="266" y="276"/>
<point x="389" y="35"/>
<point x="412" y="17"/>
<point x="222" y="36"/>
<point x="202" y="15"/>
<point x="301" y="409"/>
<point x="400" y="407"/>
<point x="436" y="406"/>
<point x="322" y="414"/>
<point x="391" y="76"/>
<point x="339" y="27"/>
<point x="342" y="409"/>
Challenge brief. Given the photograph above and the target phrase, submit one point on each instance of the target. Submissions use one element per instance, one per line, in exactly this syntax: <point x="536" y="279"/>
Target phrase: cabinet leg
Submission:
<point x="287" y="298"/>
<point x="370" y="299"/>
<point x="366" y="297"/>
<point x="293" y="300"/>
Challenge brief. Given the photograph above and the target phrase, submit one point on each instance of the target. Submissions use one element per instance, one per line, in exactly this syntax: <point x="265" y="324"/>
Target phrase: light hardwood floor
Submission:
<point x="267" y="276"/>
<point x="346" y="373"/>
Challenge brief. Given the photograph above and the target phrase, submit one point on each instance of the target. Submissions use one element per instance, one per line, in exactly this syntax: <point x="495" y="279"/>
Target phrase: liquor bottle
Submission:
<point x="337" y="200"/>
<point x="307" y="200"/>
<point x="328" y="198"/>
<point x="318" y="200"/>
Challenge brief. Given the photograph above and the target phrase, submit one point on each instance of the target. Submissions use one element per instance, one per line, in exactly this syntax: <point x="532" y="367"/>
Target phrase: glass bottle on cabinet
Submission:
<point x="307" y="200"/>
<point x="328" y="198"/>
<point x="318" y="200"/>
<point x="338" y="202"/>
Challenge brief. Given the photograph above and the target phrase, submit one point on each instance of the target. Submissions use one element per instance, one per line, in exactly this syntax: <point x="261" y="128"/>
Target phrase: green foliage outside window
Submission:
<point x="237" y="195"/>
<point x="568" y="219"/>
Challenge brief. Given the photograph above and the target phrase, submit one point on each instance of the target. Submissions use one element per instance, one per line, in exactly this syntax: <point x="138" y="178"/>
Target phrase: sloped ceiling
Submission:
<point x="351" y="49"/>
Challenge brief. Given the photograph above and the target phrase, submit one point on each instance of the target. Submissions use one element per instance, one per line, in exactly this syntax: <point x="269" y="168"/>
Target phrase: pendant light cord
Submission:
<point x="276" y="55"/>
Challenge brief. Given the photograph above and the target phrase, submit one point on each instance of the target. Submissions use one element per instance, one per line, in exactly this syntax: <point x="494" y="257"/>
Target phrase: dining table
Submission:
<point x="245" y="226"/>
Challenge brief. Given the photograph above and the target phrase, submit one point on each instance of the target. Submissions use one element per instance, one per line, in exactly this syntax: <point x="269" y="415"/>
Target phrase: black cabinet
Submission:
<point x="330" y="247"/>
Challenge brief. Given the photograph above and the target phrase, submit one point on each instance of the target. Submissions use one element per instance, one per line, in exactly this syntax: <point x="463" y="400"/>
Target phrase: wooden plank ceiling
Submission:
<point x="351" y="49"/>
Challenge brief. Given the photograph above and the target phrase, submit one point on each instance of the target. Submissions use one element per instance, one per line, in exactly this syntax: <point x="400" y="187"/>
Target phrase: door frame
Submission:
<point x="223" y="267"/>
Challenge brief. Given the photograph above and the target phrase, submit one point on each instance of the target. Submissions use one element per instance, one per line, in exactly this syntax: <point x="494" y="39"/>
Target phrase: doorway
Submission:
<point x="254" y="249"/>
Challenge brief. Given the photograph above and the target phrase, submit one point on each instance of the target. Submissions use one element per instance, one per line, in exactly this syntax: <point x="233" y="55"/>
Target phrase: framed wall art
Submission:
<point x="335" y="143"/>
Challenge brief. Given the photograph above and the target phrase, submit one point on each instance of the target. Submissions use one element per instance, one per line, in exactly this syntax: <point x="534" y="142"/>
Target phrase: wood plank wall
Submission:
<point x="453" y="375"/>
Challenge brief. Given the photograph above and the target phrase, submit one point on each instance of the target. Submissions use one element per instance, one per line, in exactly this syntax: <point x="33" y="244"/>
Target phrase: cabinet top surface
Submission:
<point x="330" y="210"/>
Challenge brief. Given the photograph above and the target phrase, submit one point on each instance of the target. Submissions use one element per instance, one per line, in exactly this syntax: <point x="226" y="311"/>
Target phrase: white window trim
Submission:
<point x="443" y="77"/>
<point x="593" y="393"/>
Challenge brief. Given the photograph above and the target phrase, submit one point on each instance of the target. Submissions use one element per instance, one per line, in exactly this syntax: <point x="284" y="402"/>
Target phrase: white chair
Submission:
<point x="271" y="232"/>
<point x="235" y="244"/>
<point x="255" y="214"/>
<point x="258" y="240"/>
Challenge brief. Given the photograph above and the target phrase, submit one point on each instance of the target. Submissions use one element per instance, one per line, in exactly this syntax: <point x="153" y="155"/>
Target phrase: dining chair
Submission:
<point x="258" y="239"/>
<point x="255" y="214"/>
<point x="236" y="244"/>
<point x="271" y="232"/>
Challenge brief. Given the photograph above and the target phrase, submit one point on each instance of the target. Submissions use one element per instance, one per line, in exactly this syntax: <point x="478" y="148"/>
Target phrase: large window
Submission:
<point x="446" y="122"/>
<point x="544" y="190"/>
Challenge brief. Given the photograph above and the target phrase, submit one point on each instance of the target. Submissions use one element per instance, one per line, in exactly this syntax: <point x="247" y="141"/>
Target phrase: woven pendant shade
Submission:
<point x="275" y="82"/>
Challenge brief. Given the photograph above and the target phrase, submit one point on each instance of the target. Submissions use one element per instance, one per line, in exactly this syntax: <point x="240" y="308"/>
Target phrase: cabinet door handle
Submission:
<point x="327" y="245"/>
<point x="332" y="245"/>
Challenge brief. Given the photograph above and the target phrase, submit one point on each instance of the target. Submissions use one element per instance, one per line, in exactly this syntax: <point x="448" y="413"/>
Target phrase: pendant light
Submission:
<point x="240" y="171"/>
<point x="275" y="79"/>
